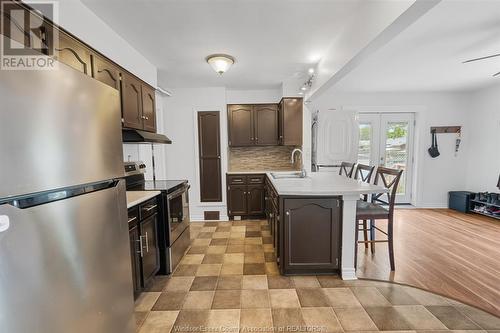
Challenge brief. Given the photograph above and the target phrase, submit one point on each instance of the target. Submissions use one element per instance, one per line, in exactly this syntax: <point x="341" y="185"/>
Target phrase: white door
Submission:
<point x="387" y="139"/>
<point x="336" y="139"/>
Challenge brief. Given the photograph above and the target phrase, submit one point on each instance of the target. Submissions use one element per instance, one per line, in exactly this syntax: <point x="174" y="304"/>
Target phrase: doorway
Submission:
<point x="386" y="139"/>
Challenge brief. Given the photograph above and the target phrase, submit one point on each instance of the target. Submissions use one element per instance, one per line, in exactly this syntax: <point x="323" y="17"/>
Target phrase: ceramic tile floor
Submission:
<point x="229" y="282"/>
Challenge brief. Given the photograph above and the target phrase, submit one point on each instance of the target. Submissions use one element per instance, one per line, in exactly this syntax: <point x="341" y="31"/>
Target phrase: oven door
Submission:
<point x="178" y="212"/>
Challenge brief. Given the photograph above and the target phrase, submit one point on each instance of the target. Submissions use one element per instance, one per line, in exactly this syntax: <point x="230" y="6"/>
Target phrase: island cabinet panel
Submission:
<point x="240" y="119"/>
<point x="266" y="124"/>
<point x="311" y="235"/>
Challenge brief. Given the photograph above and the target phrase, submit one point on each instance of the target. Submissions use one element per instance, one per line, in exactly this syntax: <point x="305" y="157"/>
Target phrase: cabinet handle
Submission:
<point x="132" y="219"/>
<point x="147" y="243"/>
<point x="147" y="209"/>
<point x="287" y="213"/>
<point x="141" y="247"/>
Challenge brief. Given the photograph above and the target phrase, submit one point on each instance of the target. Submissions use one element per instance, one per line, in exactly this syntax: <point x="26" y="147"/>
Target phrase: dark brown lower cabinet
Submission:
<point x="150" y="257"/>
<point x="237" y="200"/>
<point x="209" y="156"/>
<point x="255" y="199"/>
<point x="136" y="259"/>
<point x="246" y="195"/>
<point x="144" y="249"/>
<point x="311" y="235"/>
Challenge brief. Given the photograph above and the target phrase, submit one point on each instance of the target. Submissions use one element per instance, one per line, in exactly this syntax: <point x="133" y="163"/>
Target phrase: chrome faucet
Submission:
<point x="303" y="173"/>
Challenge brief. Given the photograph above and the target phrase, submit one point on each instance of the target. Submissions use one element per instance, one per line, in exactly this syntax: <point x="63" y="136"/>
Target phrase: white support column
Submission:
<point x="348" y="271"/>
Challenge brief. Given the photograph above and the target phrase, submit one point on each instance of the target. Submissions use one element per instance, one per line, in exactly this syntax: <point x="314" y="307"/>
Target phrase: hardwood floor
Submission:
<point x="453" y="254"/>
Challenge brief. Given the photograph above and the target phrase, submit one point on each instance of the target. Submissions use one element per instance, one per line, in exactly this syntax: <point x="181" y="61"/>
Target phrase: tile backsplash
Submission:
<point x="262" y="158"/>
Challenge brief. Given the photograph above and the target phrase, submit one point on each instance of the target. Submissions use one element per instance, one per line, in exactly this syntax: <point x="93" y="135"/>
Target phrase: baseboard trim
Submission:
<point x="201" y="218"/>
<point x="432" y="205"/>
<point x="348" y="274"/>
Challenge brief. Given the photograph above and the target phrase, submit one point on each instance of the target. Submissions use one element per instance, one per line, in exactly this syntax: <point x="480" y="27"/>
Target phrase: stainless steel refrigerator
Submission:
<point x="64" y="246"/>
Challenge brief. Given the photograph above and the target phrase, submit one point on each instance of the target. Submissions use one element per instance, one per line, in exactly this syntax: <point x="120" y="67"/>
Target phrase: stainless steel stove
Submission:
<point x="173" y="226"/>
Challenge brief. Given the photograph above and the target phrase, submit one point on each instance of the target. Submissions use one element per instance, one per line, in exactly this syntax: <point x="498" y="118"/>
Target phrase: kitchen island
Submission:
<point x="313" y="221"/>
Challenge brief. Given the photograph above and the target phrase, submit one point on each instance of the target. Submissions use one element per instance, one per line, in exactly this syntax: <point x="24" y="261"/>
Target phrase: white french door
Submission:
<point x="386" y="139"/>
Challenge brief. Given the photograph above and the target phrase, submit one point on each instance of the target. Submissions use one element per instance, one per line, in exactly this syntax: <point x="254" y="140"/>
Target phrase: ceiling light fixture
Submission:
<point x="311" y="71"/>
<point x="220" y="62"/>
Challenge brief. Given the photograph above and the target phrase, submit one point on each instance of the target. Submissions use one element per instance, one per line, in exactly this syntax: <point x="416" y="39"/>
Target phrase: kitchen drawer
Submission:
<point x="133" y="216"/>
<point x="256" y="179"/>
<point x="148" y="208"/>
<point x="236" y="179"/>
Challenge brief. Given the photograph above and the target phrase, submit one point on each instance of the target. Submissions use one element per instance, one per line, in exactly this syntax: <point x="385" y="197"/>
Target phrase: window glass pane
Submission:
<point x="396" y="149"/>
<point x="365" y="143"/>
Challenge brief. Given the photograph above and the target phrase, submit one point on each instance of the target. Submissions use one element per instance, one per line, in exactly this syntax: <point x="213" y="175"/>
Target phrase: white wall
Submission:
<point x="433" y="178"/>
<point x="180" y="125"/>
<point x="483" y="167"/>
<point x="253" y="96"/>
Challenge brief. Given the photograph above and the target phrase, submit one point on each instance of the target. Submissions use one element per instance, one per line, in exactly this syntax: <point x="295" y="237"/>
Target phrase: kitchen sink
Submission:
<point x="285" y="175"/>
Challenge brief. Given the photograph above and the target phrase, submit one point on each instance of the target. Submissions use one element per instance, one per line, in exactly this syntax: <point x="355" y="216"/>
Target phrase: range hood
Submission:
<point x="138" y="136"/>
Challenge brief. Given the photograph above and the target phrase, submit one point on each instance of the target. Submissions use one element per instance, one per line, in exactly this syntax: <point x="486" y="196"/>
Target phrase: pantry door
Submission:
<point x="386" y="139"/>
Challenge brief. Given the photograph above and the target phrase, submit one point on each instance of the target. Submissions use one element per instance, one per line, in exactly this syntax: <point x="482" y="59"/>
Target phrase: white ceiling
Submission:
<point x="428" y="55"/>
<point x="271" y="40"/>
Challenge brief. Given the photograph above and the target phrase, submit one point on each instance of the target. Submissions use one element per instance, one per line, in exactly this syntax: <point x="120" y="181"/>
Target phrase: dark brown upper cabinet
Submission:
<point x="105" y="71"/>
<point x="131" y="102"/>
<point x="251" y="125"/>
<point x="240" y="118"/>
<point x="209" y="156"/>
<point x="148" y="108"/>
<point x="24" y="27"/>
<point x="266" y="124"/>
<point x="13" y="23"/>
<point x="290" y="121"/>
<point x="73" y="53"/>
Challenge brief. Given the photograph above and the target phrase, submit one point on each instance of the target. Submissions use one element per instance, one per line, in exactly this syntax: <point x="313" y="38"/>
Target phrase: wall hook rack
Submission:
<point x="446" y="129"/>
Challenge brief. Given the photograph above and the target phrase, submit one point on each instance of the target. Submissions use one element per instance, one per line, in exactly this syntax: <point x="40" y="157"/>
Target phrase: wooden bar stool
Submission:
<point x="364" y="173"/>
<point x="373" y="211"/>
<point x="346" y="168"/>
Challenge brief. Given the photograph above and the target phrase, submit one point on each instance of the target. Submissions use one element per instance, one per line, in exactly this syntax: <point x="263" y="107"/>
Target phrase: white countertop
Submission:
<point x="257" y="172"/>
<point x="136" y="197"/>
<point x="323" y="183"/>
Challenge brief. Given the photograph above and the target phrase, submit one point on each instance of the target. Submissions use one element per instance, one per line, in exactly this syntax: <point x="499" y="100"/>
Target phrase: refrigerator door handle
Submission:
<point x="42" y="198"/>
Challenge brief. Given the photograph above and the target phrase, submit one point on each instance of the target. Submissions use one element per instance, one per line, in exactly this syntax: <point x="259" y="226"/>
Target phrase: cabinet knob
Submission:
<point x="287" y="213"/>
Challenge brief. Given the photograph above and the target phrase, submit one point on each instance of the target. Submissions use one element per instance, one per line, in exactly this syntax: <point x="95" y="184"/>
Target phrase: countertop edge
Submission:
<point x="146" y="195"/>
<point x="324" y="193"/>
